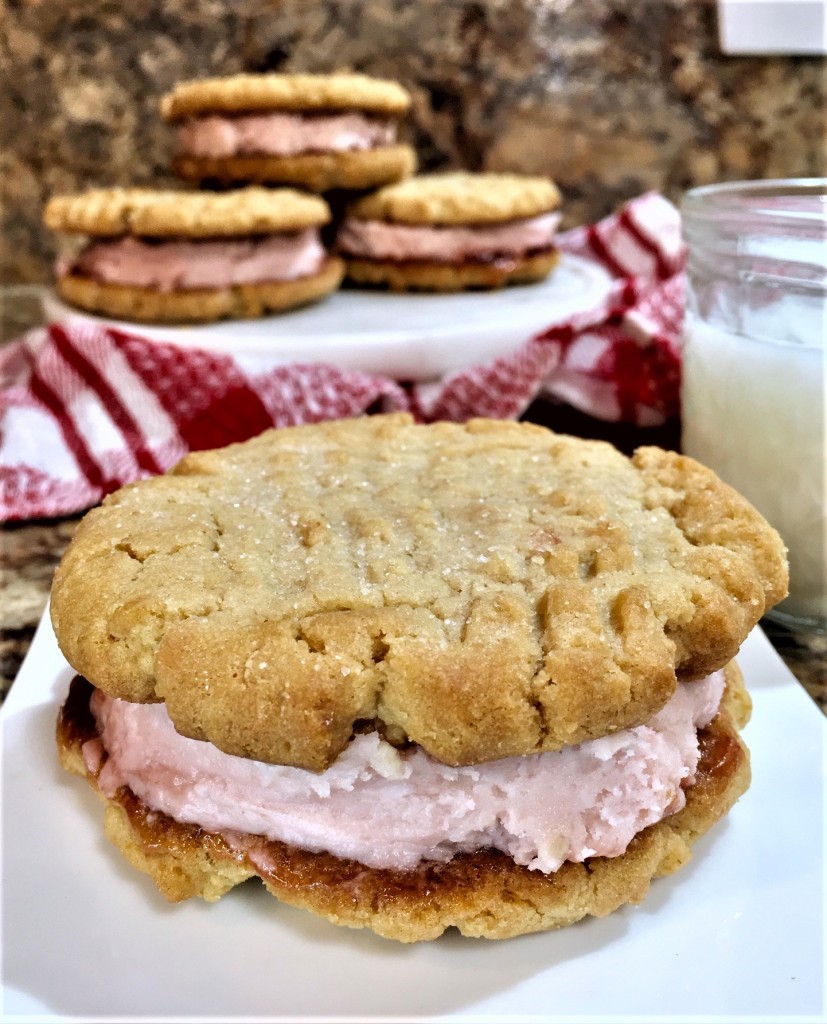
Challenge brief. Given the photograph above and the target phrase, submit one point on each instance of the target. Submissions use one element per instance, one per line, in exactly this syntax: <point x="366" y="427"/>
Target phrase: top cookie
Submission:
<point x="248" y="93"/>
<point x="459" y="197"/>
<point x="483" y="590"/>
<point x="160" y="214"/>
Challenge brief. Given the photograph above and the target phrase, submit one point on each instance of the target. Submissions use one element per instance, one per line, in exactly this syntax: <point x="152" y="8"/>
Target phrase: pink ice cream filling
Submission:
<point x="218" y="136"/>
<point x="210" y="263"/>
<point x="380" y="240"/>
<point x="389" y="808"/>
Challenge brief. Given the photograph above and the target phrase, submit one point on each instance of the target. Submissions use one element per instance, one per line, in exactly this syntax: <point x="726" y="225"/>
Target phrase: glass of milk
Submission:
<point x="752" y="394"/>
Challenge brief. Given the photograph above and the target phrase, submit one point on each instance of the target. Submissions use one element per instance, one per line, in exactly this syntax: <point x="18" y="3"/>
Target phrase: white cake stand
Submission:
<point x="407" y="337"/>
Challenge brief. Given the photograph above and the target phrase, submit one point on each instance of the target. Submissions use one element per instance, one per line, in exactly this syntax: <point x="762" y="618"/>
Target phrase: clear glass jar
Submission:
<point x="752" y="393"/>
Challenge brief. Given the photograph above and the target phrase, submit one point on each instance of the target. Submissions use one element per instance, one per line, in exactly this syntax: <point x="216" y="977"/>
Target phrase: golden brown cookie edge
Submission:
<point x="166" y="213"/>
<point x="250" y="92"/>
<point x="318" y="172"/>
<point x="457" y="198"/>
<point x="422" y="276"/>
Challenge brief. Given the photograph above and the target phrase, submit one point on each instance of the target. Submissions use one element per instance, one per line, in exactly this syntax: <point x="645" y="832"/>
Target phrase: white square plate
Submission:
<point x="736" y="935"/>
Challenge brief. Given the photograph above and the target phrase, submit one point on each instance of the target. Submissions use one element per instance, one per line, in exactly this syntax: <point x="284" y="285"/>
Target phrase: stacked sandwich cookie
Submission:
<point x="415" y="677"/>
<point x="201" y="256"/>
<point x="322" y="132"/>
<point x="448" y="232"/>
<point x="189" y="257"/>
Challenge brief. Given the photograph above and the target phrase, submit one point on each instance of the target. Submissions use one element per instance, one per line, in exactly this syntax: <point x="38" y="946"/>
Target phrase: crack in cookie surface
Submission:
<point x="524" y="590"/>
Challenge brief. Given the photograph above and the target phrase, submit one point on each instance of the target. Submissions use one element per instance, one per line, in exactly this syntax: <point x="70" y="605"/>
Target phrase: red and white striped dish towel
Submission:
<point x="87" y="409"/>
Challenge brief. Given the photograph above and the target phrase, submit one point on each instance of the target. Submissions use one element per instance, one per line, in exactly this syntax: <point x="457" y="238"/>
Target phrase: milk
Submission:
<point x="753" y="410"/>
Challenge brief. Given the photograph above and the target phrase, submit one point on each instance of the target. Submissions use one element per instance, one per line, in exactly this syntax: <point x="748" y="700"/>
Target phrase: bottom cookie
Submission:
<point x="319" y="172"/>
<point x="205" y="305"/>
<point x="451" y="277"/>
<point x="483" y="894"/>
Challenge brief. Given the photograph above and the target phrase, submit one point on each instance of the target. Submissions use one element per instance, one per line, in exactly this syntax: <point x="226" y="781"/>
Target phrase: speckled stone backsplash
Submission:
<point x="610" y="97"/>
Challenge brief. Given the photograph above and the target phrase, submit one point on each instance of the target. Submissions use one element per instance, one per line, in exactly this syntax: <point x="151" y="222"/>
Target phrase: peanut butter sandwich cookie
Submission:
<point x="449" y="232"/>
<point x="415" y="677"/>
<point x="194" y="257"/>
<point x="322" y="132"/>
